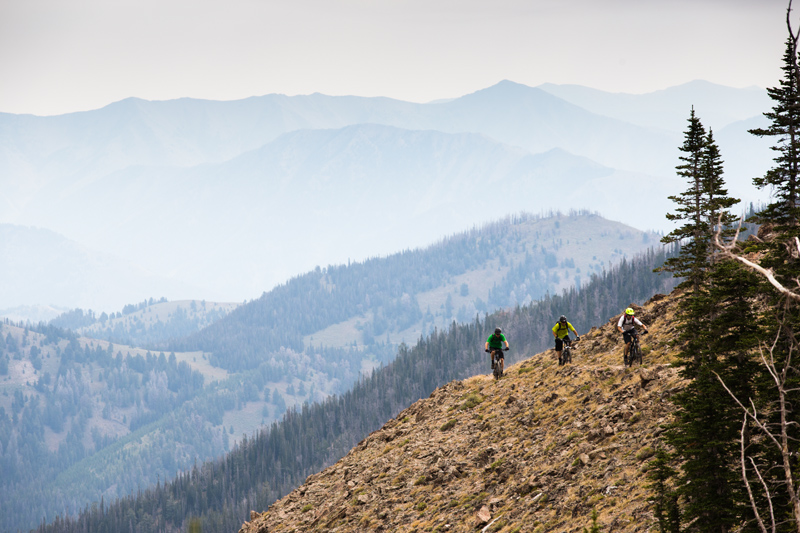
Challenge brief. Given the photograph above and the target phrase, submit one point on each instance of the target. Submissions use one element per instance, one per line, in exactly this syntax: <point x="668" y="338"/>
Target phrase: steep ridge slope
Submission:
<point x="536" y="451"/>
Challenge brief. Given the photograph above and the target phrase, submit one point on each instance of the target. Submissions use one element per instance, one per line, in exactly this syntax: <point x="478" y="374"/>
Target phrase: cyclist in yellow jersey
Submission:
<point x="561" y="333"/>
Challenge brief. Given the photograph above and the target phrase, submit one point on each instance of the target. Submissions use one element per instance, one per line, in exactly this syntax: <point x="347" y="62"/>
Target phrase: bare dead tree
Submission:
<point x="744" y="459"/>
<point x="776" y="434"/>
<point x="729" y="250"/>
<point x="779" y="437"/>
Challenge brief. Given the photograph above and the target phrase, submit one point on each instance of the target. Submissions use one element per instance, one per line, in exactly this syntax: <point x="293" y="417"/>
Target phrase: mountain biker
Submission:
<point x="495" y="343"/>
<point x="561" y="333"/>
<point x="626" y="325"/>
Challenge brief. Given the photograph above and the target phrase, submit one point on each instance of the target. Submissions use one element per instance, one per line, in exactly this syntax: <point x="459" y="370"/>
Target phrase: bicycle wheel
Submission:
<point x="635" y="354"/>
<point x="497" y="371"/>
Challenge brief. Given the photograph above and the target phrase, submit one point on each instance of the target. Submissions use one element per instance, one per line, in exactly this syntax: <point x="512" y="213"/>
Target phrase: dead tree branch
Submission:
<point x="727" y="250"/>
<point x="780" y="437"/>
<point x="780" y="440"/>
<point x="744" y="458"/>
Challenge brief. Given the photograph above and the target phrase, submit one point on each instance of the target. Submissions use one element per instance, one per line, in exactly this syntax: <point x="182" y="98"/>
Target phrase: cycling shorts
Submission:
<point x="628" y="335"/>
<point x="498" y="353"/>
<point x="560" y="343"/>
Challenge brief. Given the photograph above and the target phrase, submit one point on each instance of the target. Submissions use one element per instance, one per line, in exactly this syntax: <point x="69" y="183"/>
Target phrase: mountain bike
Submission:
<point x="498" y="371"/>
<point x="566" y="352"/>
<point x="635" y="351"/>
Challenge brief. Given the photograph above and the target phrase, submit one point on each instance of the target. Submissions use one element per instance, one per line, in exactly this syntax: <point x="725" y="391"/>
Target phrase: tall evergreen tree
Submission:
<point x="692" y="208"/>
<point x="701" y="437"/>
<point x="719" y="218"/>
<point x="780" y="254"/>
<point x="785" y="126"/>
<point x="666" y="509"/>
<point x="729" y="314"/>
<point x="707" y="421"/>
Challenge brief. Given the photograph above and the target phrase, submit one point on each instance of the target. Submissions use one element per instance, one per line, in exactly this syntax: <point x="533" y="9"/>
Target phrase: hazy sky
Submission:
<point x="58" y="56"/>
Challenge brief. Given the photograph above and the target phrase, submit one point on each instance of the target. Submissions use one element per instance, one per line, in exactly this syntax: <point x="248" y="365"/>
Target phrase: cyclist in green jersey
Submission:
<point x="494" y="345"/>
<point x="561" y="333"/>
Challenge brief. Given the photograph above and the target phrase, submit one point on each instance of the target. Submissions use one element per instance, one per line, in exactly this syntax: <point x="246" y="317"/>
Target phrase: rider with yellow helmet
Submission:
<point x="626" y="325"/>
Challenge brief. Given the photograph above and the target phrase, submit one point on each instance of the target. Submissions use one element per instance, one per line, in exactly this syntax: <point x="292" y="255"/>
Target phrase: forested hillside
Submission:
<point x="406" y="295"/>
<point x="65" y="399"/>
<point x="146" y="323"/>
<point x="87" y="419"/>
<point x="262" y="468"/>
<point x="84" y="419"/>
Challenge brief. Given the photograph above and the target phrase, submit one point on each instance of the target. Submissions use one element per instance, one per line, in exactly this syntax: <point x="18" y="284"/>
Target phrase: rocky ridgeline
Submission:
<point x="533" y="452"/>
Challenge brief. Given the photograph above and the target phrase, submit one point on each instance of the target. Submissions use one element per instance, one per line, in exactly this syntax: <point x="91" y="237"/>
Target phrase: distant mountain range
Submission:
<point x="667" y="109"/>
<point x="40" y="265"/>
<point x="235" y="197"/>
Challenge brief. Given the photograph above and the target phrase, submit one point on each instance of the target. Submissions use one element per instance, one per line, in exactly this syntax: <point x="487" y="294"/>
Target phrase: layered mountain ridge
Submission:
<point x="208" y="192"/>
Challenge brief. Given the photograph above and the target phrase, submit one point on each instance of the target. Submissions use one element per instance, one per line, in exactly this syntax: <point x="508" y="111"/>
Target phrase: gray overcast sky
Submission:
<point x="58" y="56"/>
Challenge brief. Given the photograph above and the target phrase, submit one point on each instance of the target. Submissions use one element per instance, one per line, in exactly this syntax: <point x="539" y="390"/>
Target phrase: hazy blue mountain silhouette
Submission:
<point x="316" y="197"/>
<point x="39" y="265"/>
<point x="668" y="109"/>
<point x="162" y="184"/>
<point x="71" y="149"/>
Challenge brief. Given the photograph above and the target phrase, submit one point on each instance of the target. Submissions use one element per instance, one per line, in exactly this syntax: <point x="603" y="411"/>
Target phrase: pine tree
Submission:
<point x="693" y="234"/>
<point x="719" y="218"/>
<point x="662" y="475"/>
<point x="779" y="252"/>
<point x="595" y="527"/>
<point x="785" y="118"/>
<point x="703" y="437"/>
<point x="727" y="316"/>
